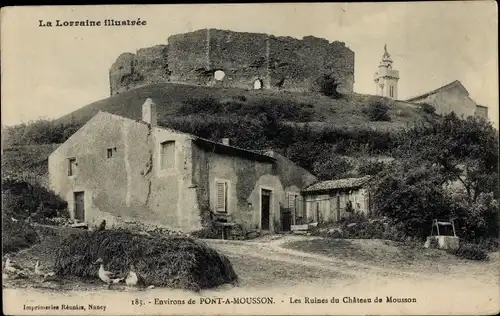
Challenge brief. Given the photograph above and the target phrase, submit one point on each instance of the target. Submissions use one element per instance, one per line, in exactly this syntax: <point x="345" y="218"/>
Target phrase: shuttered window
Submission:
<point x="221" y="196"/>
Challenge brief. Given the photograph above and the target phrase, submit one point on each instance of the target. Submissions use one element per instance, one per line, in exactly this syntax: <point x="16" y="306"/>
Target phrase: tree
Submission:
<point x="463" y="150"/>
<point x="412" y="196"/>
<point x="329" y="166"/>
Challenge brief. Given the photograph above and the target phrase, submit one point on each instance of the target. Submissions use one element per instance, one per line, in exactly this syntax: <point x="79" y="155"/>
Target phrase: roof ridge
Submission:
<point x="446" y="86"/>
<point x="192" y="136"/>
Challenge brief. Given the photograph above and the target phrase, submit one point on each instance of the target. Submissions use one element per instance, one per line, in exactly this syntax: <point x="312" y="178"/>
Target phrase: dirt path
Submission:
<point x="273" y="250"/>
<point x="267" y="269"/>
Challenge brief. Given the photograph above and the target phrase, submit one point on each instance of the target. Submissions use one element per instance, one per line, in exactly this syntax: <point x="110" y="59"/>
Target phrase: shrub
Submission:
<point x="41" y="131"/>
<point x="22" y="198"/>
<point x="378" y="111"/>
<point x="175" y="262"/>
<point x="470" y="252"/>
<point x="427" y="108"/>
<point x="489" y="244"/>
<point x="370" y="168"/>
<point x="17" y="235"/>
<point x="357" y="225"/>
<point x="328" y="85"/>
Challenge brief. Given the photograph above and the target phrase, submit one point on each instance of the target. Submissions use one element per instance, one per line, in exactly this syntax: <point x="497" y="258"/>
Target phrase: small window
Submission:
<point x="110" y="152"/>
<point x="257" y="84"/>
<point x="167" y="153"/>
<point x="71" y="167"/>
<point x="221" y="188"/>
<point x="219" y="75"/>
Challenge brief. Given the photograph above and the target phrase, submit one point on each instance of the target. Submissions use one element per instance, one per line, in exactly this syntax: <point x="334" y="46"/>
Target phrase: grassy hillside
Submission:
<point x="29" y="160"/>
<point x="313" y="130"/>
<point x="170" y="98"/>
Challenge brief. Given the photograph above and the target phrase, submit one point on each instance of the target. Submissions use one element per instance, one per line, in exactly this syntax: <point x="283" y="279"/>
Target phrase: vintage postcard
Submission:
<point x="250" y="159"/>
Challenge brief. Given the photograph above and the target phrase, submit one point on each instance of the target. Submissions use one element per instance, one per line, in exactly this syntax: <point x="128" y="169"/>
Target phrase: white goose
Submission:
<point x="132" y="277"/>
<point x="106" y="276"/>
<point x="39" y="272"/>
<point x="12" y="270"/>
<point x="10" y="267"/>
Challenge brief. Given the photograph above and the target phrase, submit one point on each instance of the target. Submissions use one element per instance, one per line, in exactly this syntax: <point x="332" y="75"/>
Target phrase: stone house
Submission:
<point x="124" y="170"/>
<point x="452" y="97"/>
<point x="328" y="201"/>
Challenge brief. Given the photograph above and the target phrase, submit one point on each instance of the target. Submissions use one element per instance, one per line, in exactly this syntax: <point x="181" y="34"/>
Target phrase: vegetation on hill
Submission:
<point x="25" y="201"/>
<point x="447" y="168"/>
<point x="320" y="133"/>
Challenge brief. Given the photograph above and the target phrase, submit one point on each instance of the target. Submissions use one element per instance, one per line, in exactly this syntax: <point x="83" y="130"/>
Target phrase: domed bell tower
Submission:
<point x="386" y="78"/>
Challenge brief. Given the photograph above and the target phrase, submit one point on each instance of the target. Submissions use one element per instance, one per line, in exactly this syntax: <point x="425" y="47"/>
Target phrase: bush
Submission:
<point x="378" y="111"/>
<point x="328" y="85"/>
<point x="175" y="262"/>
<point x="17" y="235"/>
<point x="41" y="131"/>
<point x="22" y="198"/>
<point x="427" y="108"/>
<point x="357" y="225"/>
<point x="370" y="168"/>
<point x="470" y="252"/>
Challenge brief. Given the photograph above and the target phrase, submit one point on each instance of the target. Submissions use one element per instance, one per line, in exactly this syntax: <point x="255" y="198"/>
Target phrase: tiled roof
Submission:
<point x="348" y="183"/>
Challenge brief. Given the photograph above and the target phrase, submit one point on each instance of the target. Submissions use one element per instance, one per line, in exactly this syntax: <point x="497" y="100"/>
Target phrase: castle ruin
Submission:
<point x="212" y="57"/>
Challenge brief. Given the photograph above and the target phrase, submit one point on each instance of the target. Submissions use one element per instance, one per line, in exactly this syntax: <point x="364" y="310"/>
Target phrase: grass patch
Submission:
<point x="174" y="262"/>
<point x="470" y="252"/>
<point x="17" y="235"/>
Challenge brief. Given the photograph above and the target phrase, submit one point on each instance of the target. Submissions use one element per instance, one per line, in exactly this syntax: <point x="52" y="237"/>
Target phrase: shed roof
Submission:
<point x="328" y="185"/>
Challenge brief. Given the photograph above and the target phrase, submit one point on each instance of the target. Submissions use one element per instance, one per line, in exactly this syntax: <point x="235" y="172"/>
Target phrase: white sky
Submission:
<point x="49" y="72"/>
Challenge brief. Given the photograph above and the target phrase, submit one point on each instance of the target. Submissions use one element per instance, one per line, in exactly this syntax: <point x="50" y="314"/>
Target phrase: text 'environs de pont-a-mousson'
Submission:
<point x="92" y="23"/>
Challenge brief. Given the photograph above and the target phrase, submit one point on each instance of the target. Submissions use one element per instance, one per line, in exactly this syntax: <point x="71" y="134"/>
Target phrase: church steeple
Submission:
<point x="386" y="79"/>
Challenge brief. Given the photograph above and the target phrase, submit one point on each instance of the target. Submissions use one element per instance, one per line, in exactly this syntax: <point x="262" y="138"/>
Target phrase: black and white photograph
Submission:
<point x="250" y="159"/>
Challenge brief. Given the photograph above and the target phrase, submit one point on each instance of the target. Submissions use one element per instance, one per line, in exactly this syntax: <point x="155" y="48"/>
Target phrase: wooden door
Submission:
<point x="265" y="209"/>
<point x="80" y="206"/>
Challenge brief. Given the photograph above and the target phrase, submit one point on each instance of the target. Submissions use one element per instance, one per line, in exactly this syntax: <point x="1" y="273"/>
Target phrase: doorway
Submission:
<point x="265" y="209"/>
<point x="80" y="206"/>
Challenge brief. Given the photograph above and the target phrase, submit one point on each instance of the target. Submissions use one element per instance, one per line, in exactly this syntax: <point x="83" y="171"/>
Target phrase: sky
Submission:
<point x="48" y="72"/>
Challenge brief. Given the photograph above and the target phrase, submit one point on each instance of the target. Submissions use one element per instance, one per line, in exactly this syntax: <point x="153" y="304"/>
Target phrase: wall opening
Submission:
<point x="79" y="208"/>
<point x="265" y="209"/>
<point x="219" y="75"/>
<point x="258" y="84"/>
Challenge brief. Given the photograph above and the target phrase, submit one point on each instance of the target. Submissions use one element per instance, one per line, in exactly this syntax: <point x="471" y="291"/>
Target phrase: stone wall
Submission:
<point x="129" y="186"/>
<point x="148" y="66"/>
<point x="242" y="59"/>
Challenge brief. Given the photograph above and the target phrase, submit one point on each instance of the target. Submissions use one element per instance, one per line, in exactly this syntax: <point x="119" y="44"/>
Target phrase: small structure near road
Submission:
<point x="443" y="234"/>
<point x="333" y="199"/>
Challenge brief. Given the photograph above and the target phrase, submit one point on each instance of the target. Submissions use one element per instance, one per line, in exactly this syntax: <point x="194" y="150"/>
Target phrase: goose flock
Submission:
<point x="13" y="271"/>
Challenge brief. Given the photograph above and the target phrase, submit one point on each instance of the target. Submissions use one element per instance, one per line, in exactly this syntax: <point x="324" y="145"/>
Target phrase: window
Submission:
<point x="221" y="190"/>
<point x="71" y="167"/>
<point x="110" y="152"/>
<point x="167" y="155"/>
<point x="219" y="75"/>
<point x="391" y="92"/>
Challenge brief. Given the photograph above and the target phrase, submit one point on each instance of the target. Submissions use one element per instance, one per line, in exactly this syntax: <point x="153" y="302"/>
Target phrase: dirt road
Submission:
<point x="267" y="269"/>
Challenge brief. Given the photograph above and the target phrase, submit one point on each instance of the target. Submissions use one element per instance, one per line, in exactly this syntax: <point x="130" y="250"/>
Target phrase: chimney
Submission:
<point x="226" y="141"/>
<point x="149" y="112"/>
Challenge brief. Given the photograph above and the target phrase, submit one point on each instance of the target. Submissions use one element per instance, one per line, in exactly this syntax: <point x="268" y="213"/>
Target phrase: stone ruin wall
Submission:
<point x="278" y="62"/>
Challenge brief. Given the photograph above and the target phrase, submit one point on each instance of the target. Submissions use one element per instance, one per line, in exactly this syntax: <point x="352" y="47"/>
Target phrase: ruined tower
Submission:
<point x="386" y="78"/>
